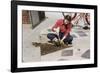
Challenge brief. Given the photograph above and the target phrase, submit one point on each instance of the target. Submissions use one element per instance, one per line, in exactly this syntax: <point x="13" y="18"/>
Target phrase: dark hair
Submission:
<point x="68" y="17"/>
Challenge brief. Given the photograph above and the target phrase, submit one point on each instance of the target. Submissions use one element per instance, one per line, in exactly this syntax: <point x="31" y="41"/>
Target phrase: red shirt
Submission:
<point x="63" y="28"/>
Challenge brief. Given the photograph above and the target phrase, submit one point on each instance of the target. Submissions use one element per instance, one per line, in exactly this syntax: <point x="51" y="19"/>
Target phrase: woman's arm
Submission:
<point x="57" y="24"/>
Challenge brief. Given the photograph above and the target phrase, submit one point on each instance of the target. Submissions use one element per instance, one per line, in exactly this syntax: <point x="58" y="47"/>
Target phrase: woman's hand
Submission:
<point x="57" y="30"/>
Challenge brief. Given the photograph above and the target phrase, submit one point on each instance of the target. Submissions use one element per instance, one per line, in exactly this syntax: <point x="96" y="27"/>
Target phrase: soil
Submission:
<point x="47" y="48"/>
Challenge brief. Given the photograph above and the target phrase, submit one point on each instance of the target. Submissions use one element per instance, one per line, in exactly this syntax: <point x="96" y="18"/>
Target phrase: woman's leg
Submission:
<point x="61" y="35"/>
<point x="68" y="39"/>
<point x="51" y="36"/>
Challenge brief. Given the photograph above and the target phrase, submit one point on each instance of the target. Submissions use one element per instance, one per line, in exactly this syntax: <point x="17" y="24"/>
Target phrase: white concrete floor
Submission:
<point x="32" y="54"/>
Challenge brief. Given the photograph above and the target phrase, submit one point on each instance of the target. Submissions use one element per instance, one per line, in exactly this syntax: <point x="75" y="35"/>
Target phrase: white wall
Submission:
<point x="5" y="36"/>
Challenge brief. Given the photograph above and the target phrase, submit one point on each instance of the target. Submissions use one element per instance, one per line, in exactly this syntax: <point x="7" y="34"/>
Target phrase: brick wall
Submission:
<point x="25" y="17"/>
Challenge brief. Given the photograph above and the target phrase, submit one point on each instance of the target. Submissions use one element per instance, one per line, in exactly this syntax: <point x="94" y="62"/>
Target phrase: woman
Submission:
<point x="64" y="26"/>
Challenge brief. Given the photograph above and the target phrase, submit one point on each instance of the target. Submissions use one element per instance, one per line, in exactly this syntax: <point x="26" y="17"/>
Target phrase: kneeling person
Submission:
<point x="64" y="26"/>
